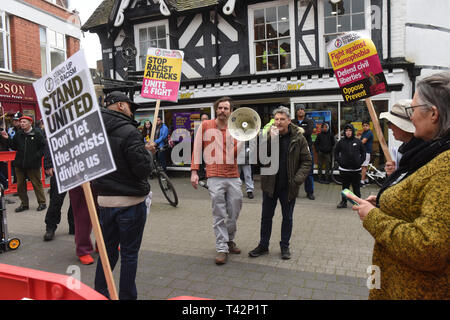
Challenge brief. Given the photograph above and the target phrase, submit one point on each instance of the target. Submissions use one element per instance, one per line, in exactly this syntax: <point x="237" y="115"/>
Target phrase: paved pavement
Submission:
<point x="330" y="249"/>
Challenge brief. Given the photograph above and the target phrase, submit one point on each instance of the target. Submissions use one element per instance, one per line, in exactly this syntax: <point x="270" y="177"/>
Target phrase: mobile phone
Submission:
<point x="346" y="192"/>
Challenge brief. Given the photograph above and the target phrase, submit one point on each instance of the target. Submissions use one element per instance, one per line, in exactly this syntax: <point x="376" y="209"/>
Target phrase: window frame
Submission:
<point x="147" y="25"/>
<point x="6" y="38"/>
<point x="49" y="47"/>
<point x="251" y="34"/>
<point x="322" y="34"/>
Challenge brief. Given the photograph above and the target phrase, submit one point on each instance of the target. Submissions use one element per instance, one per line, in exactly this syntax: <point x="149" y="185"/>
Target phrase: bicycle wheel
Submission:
<point x="335" y="176"/>
<point x="167" y="188"/>
<point x="380" y="177"/>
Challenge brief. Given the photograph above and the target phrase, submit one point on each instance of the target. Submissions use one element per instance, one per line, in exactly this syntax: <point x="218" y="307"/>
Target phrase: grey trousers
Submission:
<point x="226" y="197"/>
<point x="249" y="185"/>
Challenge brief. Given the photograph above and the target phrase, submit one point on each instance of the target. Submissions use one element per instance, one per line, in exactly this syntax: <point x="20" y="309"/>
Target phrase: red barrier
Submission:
<point x="187" y="298"/>
<point x="19" y="283"/>
<point x="8" y="157"/>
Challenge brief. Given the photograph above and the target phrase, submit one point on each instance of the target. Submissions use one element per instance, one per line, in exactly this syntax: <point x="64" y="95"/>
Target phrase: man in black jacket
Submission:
<point x="308" y="126"/>
<point x="29" y="144"/>
<point x="350" y="154"/>
<point x="122" y="193"/>
<point x="324" y="146"/>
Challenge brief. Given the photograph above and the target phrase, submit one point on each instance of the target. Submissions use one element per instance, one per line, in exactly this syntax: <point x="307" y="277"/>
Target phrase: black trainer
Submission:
<point x="285" y="254"/>
<point x="49" y="235"/>
<point x="342" y="204"/>
<point x="258" y="251"/>
<point x="21" y="208"/>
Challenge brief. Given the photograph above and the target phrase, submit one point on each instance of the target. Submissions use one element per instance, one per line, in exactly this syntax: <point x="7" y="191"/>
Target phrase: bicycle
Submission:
<point x="165" y="184"/>
<point x="373" y="174"/>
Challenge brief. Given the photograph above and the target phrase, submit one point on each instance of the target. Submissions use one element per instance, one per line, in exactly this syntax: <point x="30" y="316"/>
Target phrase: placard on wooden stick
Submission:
<point x="359" y="74"/>
<point x="76" y="136"/>
<point x="162" y="77"/>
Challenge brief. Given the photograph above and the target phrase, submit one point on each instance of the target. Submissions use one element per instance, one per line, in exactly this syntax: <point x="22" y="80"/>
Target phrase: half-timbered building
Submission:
<point x="269" y="53"/>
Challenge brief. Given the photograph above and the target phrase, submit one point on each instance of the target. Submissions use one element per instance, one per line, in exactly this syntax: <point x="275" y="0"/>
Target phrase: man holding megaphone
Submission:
<point x="294" y="165"/>
<point x="224" y="184"/>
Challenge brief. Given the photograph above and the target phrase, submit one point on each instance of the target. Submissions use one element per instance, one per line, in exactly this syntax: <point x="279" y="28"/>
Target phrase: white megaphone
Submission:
<point x="244" y="124"/>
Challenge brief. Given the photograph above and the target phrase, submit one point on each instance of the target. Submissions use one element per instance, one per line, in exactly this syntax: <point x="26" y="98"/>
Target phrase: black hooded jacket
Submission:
<point x="133" y="161"/>
<point x="350" y="152"/>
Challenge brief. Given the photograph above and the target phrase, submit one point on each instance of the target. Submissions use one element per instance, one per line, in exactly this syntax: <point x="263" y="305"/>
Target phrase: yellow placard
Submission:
<point x="351" y="53"/>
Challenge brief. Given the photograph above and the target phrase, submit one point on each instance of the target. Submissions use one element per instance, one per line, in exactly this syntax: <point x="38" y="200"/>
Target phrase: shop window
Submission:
<point x="53" y="49"/>
<point x="5" y="64"/>
<point x="271" y="36"/>
<point x="357" y="112"/>
<point x="343" y="16"/>
<point x="150" y="35"/>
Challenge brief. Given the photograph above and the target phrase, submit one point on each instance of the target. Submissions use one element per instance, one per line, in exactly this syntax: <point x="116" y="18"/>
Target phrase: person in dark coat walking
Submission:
<point x="324" y="146"/>
<point x="350" y="154"/>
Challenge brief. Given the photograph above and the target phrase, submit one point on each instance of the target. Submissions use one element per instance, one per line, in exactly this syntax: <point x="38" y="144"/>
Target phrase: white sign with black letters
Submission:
<point x="74" y="126"/>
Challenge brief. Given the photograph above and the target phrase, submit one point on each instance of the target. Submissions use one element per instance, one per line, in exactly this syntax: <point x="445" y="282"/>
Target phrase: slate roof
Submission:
<point x="103" y="11"/>
<point x="183" y="5"/>
<point x="100" y="15"/>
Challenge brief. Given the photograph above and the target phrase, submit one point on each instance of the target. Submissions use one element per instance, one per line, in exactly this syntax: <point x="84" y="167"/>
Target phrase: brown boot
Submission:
<point x="232" y="248"/>
<point x="221" y="258"/>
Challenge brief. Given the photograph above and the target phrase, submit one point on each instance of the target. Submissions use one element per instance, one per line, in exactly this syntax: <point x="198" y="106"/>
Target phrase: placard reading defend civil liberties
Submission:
<point x="162" y="74"/>
<point x="74" y="126"/>
<point x="357" y="66"/>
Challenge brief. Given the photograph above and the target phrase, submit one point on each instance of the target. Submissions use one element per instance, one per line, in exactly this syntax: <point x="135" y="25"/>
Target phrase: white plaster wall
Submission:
<point x="310" y="39"/>
<point x="433" y="12"/>
<point x="398" y="20"/>
<point x="427" y="47"/>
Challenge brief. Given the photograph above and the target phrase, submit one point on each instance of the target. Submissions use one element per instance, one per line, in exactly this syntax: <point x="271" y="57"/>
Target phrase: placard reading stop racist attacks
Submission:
<point x="357" y="67"/>
<point x="162" y="74"/>
<point x="73" y="124"/>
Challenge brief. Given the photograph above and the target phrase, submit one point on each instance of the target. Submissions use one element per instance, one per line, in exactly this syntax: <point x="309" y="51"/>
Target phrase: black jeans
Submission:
<point x="351" y="178"/>
<point x="53" y="215"/>
<point x="268" y="210"/>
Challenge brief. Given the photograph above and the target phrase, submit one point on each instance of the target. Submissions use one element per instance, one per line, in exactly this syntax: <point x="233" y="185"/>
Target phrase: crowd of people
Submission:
<point x="409" y="218"/>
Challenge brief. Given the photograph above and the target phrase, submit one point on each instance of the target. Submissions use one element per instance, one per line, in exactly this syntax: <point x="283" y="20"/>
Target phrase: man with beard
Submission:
<point x="224" y="184"/>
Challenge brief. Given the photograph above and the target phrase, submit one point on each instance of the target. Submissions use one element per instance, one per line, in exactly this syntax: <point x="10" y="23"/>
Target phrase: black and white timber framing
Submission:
<point x="216" y="47"/>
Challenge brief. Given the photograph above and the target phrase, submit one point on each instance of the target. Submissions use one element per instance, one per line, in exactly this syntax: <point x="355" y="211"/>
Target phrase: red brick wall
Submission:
<point x="73" y="45"/>
<point x="50" y="7"/>
<point x="25" y="42"/>
<point x="25" y="47"/>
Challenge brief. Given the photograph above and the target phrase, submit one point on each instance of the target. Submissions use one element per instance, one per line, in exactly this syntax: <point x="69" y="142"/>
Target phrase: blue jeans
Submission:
<point x="309" y="182"/>
<point x="268" y="210"/>
<point x="122" y="226"/>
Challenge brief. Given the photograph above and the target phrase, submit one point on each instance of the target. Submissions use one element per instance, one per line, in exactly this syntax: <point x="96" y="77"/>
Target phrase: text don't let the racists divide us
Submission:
<point x="73" y="123"/>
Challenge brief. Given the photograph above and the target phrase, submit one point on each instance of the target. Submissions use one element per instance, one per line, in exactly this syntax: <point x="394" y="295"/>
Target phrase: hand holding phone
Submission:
<point x="346" y="192"/>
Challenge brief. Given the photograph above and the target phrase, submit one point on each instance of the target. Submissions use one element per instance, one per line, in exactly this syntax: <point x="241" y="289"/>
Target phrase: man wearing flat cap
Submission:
<point x="29" y="144"/>
<point x="122" y="193"/>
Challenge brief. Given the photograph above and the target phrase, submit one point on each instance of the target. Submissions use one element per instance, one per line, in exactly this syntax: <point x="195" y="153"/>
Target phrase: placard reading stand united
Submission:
<point x="75" y="132"/>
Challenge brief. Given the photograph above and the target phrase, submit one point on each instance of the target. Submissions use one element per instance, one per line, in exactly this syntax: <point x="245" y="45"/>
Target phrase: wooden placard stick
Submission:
<point x="376" y="125"/>
<point x="155" y="119"/>
<point x="100" y="242"/>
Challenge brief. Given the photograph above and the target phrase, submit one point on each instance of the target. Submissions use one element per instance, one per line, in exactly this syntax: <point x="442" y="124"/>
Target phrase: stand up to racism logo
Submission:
<point x="357" y="67"/>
